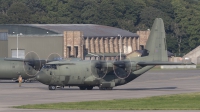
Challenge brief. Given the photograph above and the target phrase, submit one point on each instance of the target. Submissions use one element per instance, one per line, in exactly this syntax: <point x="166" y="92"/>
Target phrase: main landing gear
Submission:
<point x="52" y="87"/>
<point x="85" y="87"/>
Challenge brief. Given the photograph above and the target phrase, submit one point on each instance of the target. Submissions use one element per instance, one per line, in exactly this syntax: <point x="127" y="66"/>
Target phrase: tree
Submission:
<point x="19" y="13"/>
<point x="181" y="17"/>
<point x="187" y="16"/>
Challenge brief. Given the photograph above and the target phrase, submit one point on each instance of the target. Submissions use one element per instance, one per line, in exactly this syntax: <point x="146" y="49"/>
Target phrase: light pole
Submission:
<point x="17" y="44"/>
<point x="120" y="50"/>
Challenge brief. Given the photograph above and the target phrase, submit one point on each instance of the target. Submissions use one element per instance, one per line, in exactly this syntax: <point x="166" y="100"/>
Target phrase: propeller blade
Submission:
<point x="99" y="68"/>
<point x="33" y="60"/>
<point x="122" y="69"/>
<point x="120" y="64"/>
<point x="53" y="57"/>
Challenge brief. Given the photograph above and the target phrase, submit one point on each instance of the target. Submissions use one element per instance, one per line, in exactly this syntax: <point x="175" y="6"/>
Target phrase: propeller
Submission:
<point x="122" y="68"/>
<point x="32" y="63"/>
<point x="101" y="68"/>
<point x="53" y="57"/>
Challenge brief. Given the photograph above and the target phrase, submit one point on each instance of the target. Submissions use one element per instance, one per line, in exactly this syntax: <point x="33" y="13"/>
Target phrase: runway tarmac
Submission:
<point x="152" y="83"/>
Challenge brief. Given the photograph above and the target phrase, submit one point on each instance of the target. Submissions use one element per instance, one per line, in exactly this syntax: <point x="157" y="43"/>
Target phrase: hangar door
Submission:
<point x="21" y="53"/>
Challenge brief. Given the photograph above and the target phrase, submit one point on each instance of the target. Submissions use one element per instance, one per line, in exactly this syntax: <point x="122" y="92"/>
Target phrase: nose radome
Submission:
<point x="43" y="78"/>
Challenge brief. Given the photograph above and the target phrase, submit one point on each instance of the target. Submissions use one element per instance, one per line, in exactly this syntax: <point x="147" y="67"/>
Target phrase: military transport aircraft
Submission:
<point x="11" y="68"/>
<point x="107" y="74"/>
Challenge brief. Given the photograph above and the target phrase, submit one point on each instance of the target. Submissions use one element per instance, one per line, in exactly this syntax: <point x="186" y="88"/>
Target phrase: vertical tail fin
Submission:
<point x="156" y="43"/>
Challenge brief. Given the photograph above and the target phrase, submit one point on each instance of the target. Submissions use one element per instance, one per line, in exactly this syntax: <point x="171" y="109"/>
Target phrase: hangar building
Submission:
<point x="85" y="41"/>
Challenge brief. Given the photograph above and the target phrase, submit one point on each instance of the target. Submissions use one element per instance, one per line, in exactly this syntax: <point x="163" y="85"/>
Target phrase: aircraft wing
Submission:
<point x="60" y="63"/>
<point x="19" y="59"/>
<point x="13" y="59"/>
<point x="121" y="64"/>
<point x="163" y="63"/>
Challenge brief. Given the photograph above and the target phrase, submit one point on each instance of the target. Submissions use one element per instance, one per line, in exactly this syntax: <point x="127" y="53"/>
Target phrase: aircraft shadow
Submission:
<point x="122" y="89"/>
<point x="17" y="82"/>
<point x="159" y="88"/>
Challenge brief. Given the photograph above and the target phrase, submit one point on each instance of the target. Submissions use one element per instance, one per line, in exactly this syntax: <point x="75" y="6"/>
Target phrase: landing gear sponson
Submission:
<point x="85" y="87"/>
<point x="51" y="87"/>
<point x="80" y="87"/>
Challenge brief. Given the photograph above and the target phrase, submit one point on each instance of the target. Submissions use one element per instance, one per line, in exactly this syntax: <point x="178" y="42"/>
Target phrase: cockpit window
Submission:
<point x="50" y="67"/>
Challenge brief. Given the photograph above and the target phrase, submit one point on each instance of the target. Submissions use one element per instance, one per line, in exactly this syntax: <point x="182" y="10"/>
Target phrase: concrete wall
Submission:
<point x="133" y="54"/>
<point x="143" y="37"/>
<point x="73" y="44"/>
<point x="42" y="45"/>
<point x="111" y="44"/>
<point x="193" y="55"/>
<point x="3" y="48"/>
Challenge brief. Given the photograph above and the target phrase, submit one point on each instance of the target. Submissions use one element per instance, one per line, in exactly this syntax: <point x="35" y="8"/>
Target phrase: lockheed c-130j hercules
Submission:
<point x="11" y="68"/>
<point x="87" y="74"/>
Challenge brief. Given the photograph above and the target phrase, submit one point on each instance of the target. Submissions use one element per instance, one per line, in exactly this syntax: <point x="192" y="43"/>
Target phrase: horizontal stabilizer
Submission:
<point x="162" y="63"/>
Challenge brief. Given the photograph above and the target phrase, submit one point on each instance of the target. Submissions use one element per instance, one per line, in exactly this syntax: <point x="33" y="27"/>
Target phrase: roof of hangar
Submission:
<point x="89" y="30"/>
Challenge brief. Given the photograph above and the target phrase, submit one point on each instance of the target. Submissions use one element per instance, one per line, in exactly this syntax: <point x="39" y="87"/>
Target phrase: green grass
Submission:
<point x="198" y="66"/>
<point x="171" y="102"/>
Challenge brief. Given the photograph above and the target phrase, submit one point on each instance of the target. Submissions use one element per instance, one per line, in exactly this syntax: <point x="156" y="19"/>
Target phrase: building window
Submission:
<point x="3" y="36"/>
<point x="21" y="53"/>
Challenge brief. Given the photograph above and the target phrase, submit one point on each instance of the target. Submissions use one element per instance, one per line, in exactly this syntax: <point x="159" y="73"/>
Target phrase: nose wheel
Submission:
<point x="52" y="87"/>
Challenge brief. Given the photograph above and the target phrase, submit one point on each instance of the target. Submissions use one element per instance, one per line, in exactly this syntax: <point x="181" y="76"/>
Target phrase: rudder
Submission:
<point x="156" y="43"/>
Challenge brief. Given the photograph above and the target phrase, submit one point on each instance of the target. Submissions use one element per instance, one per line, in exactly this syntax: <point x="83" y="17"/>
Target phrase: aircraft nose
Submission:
<point x="43" y="78"/>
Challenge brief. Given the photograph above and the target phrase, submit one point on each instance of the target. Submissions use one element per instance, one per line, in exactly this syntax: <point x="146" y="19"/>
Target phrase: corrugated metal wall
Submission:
<point x="42" y="45"/>
<point x="3" y="43"/>
<point x="3" y="49"/>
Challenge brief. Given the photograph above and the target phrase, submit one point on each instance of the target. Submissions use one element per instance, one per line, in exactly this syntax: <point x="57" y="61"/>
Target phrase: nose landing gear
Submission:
<point x="52" y="87"/>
